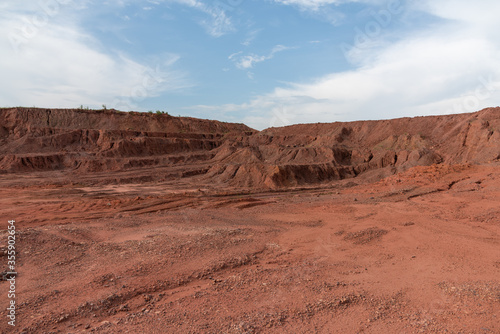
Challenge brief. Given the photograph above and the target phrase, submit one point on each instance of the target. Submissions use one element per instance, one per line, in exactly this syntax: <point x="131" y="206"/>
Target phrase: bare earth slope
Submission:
<point x="91" y="141"/>
<point x="83" y="142"/>
<point x="138" y="223"/>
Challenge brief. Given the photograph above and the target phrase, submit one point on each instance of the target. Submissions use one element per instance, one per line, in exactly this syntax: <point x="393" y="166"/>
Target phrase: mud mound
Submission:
<point x="158" y="147"/>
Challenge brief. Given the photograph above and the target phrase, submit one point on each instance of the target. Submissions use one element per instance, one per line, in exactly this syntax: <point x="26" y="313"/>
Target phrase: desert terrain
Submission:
<point x="146" y="223"/>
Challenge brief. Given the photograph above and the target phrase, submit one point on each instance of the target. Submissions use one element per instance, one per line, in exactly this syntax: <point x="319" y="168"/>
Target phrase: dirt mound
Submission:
<point x="159" y="147"/>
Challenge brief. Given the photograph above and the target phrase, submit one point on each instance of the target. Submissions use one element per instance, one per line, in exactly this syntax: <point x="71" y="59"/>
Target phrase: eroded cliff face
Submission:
<point x="311" y="153"/>
<point x="98" y="141"/>
<point x="160" y="146"/>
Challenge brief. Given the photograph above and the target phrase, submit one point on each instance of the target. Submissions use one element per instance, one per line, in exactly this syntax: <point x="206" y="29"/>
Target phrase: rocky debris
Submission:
<point x="365" y="236"/>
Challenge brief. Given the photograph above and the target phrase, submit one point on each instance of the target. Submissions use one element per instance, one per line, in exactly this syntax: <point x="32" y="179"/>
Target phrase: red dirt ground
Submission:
<point x="192" y="226"/>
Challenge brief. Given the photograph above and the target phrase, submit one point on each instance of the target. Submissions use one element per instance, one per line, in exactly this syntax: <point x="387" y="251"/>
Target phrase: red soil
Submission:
<point x="138" y="223"/>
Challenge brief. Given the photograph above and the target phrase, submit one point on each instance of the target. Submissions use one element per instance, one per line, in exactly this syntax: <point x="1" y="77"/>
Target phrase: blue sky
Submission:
<point x="261" y="62"/>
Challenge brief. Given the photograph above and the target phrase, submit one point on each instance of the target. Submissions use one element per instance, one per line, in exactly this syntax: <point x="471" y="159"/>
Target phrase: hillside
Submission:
<point x="162" y="147"/>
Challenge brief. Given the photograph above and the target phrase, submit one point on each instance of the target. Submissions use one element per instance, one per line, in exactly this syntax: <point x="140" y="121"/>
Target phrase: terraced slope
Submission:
<point x="161" y="147"/>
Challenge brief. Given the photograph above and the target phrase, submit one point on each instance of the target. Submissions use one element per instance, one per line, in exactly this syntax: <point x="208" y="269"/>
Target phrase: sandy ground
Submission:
<point x="417" y="252"/>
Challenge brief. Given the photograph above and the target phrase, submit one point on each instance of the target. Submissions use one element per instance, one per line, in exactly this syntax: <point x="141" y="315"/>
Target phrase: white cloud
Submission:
<point x="51" y="63"/>
<point x="251" y="36"/>
<point x="233" y="55"/>
<point x="328" y="11"/>
<point x="248" y="61"/>
<point x="309" y="4"/>
<point x="453" y="67"/>
<point x="482" y="15"/>
<point x="315" y="5"/>
<point x="318" y="9"/>
<point x="218" y="22"/>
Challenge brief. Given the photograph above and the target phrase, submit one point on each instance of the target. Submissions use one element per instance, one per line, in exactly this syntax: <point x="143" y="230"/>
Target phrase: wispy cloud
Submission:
<point x="317" y="4"/>
<point x="309" y="4"/>
<point x="251" y="36"/>
<point x="218" y="22"/>
<point x="328" y="10"/>
<point x="248" y="61"/>
<point x="323" y="10"/>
